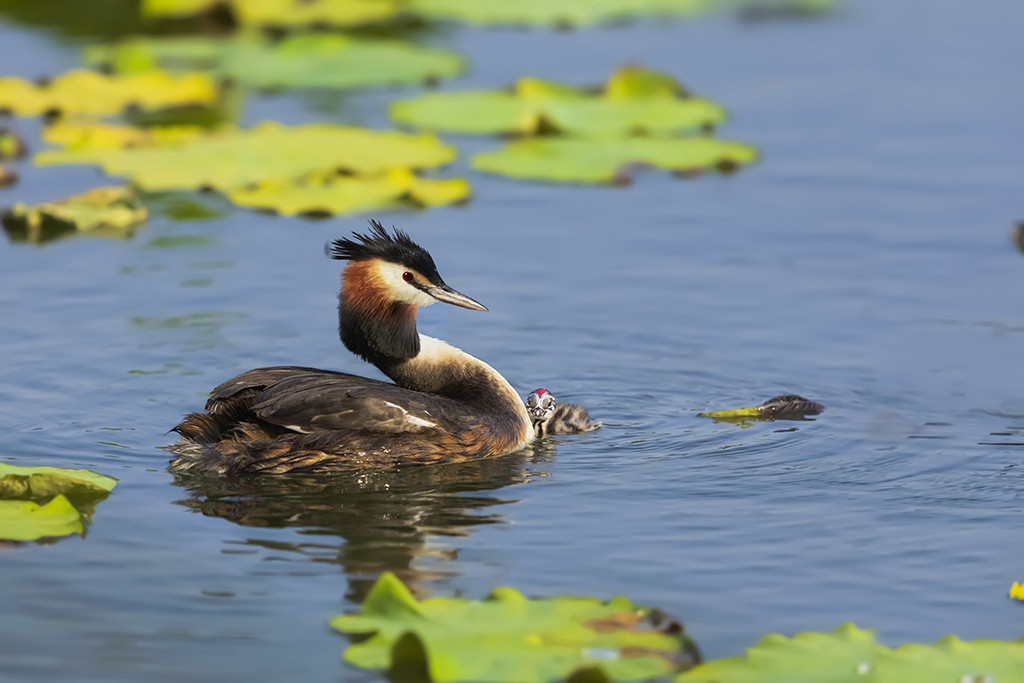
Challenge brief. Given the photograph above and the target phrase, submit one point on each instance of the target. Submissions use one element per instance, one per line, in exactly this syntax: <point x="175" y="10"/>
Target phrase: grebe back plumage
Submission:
<point x="444" y="406"/>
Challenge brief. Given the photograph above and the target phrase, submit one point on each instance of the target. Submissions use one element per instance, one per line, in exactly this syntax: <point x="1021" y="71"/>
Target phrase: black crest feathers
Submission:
<point x="378" y="243"/>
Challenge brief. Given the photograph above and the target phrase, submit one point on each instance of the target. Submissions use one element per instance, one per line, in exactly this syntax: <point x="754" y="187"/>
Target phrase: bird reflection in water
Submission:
<point x="385" y="518"/>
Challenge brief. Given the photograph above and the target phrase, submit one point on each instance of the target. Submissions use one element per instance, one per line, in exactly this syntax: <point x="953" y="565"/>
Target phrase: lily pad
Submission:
<point x="554" y="12"/>
<point x="347" y="194"/>
<point x="283" y="13"/>
<point x="75" y="135"/>
<point x="850" y="655"/>
<point x="69" y="495"/>
<point x="12" y="146"/>
<point x="22" y="520"/>
<point x="232" y="158"/>
<point x="786" y="406"/>
<point x="87" y="92"/>
<point x="105" y="212"/>
<point x="314" y="60"/>
<point x="508" y="637"/>
<point x="634" y="101"/>
<point x="609" y="160"/>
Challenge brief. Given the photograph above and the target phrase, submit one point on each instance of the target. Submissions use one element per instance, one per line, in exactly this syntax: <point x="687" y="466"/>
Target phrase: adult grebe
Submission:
<point x="550" y="417"/>
<point x="445" y="405"/>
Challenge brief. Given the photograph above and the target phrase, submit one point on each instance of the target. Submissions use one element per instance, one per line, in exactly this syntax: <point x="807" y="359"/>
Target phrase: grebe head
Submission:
<point x="540" y="404"/>
<point x="392" y="266"/>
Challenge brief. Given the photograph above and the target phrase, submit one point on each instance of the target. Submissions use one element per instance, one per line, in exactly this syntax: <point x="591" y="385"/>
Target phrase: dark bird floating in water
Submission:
<point x="444" y="405"/>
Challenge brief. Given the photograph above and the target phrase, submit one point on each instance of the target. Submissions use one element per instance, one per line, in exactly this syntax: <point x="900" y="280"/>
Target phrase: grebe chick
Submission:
<point x="444" y="405"/>
<point x="551" y="417"/>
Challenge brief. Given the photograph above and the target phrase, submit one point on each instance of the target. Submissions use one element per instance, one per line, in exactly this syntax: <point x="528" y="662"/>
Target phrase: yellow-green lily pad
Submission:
<point x="554" y="12"/>
<point x="232" y="158"/>
<point x="508" y="637"/>
<point x="22" y="520"/>
<point x="104" y="211"/>
<point x="313" y="60"/>
<point x="610" y="160"/>
<point x="12" y="146"/>
<point x="283" y="13"/>
<point x="37" y="502"/>
<point x="87" y="92"/>
<point x="850" y="655"/>
<point x="634" y="100"/>
<point x="350" y="194"/>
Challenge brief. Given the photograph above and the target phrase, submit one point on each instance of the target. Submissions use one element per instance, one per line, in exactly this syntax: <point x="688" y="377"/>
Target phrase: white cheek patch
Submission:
<point x="390" y="275"/>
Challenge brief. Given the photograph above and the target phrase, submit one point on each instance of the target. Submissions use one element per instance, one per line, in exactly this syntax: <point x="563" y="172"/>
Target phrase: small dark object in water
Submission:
<point x="790" y="404"/>
<point x="550" y="417"/>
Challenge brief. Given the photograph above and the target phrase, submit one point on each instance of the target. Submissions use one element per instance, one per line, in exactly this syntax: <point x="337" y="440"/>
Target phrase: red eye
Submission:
<point x="407" y="276"/>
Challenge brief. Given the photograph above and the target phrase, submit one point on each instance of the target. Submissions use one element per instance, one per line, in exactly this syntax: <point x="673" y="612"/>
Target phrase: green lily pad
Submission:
<point x="105" y="212"/>
<point x="347" y="194"/>
<point x="951" y="660"/>
<point x="86" y="92"/>
<point x="22" y="520"/>
<point x="843" y="656"/>
<point x="314" y="60"/>
<point x="608" y="160"/>
<point x="12" y="146"/>
<point x="850" y="655"/>
<point x="231" y="158"/>
<point x="634" y="101"/>
<point x="43" y="483"/>
<point x="70" y="497"/>
<point x="788" y="406"/>
<point x="554" y="12"/>
<point x="283" y="13"/>
<point x="508" y="637"/>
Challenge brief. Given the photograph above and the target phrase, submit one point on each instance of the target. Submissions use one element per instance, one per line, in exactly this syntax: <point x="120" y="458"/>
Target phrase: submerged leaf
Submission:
<point x="7" y="177"/>
<point x="22" y="520"/>
<point x="232" y="158"/>
<point x="303" y="61"/>
<point x="285" y="13"/>
<point x="607" y="160"/>
<point x="347" y="194"/>
<point x="88" y="92"/>
<point x="508" y="637"/>
<point x="554" y="12"/>
<point x="786" y="406"/>
<point x="634" y="100"/>
<point x="105" y="211"/>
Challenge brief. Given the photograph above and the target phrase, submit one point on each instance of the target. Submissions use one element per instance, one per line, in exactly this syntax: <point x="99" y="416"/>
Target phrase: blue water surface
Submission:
<point x="865" y="262"/>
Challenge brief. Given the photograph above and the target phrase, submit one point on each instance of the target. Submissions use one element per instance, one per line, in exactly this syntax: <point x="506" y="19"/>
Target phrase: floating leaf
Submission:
<point x="22" y="520"/>
<point x="105" y="212"/>
<point x="68" y="494"/>
<point x="634" y="101"/>
<point x="73" y="135"/>
<point x="87" y="92"/>
<point x="554" y="12"/>
<point x="231" y="158"/>
<point x="842" y="656"/>
<point x="283" y="13"/>
<point x="850" y="655"/>
<point x="11" y="145"/>
<point x="786" y="406"/>
<point x="508" y="637"/>
<point x="43" y="483"/>
<point x="607" y="160"/>
<point x="346" y="194"/>
<point x="1017" y="591"/>
<point x="314" y="60"/>
<point x="952" y="660"/>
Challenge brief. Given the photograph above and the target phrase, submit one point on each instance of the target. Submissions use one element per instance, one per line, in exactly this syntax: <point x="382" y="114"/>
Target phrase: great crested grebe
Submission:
<point x="445" y="405"/>
<point x="551" y="417"/>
